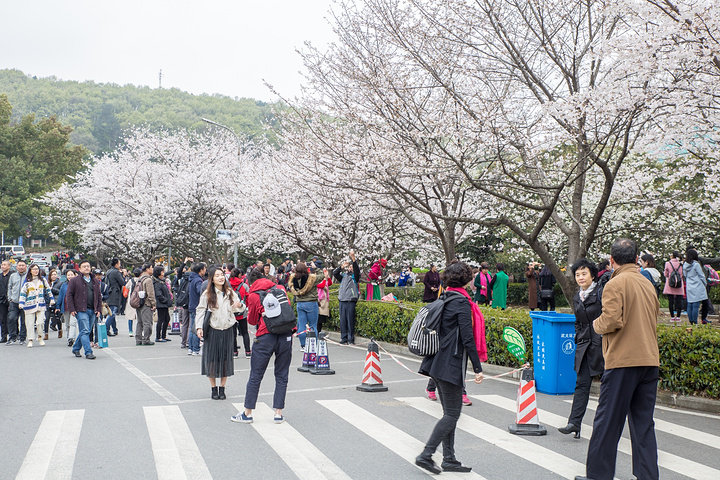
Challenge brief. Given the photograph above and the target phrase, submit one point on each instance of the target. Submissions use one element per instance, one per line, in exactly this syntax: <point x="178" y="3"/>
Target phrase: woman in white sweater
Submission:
<point x="219" y="299"/>
<point x="34" y="294"/>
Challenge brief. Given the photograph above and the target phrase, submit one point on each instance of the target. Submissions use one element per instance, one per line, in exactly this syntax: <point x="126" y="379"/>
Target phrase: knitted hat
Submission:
<point x="383" y="262"/>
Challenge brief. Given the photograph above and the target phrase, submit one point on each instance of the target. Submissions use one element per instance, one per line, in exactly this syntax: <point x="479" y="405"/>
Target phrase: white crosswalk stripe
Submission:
<point x="665" y="459"/>
<point x="176" y="453"/>
<point x="55" y="444"/>
<point x="308" y="462"/>
<point x="543" y="457"/>
<point x="677" y="430"/>
<point x="404" y="445"/>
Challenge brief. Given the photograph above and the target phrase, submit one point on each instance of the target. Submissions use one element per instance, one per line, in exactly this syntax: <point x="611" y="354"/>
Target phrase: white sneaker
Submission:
<point x="189" y="352"/>
<point x="29" y="344"/>
<point x="131" y="334"/>
<point x="41" y="341"/>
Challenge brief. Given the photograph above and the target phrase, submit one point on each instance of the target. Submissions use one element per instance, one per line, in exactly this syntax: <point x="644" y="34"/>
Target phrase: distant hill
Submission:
<point x="99" y="112"/>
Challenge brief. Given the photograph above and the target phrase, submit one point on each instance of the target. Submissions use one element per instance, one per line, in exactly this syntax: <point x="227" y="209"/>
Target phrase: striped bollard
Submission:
<point x="527" y="420"/>
<point x="372" y="375"/>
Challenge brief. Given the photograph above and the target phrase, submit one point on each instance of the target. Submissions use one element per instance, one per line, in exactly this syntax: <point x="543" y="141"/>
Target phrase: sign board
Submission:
<point x="224" y="235"/>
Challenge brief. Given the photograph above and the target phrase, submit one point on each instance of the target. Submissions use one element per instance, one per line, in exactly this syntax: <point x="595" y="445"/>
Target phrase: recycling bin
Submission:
<point x="554" y="352"/>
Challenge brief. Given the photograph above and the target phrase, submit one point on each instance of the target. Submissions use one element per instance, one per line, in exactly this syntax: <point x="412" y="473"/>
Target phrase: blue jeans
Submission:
<point x="85" y="321"/>
<point x="193" y="339"/>
<point x="110" y="320"/>
<point x="693" y="308"/>
<point x="307" y="317"/>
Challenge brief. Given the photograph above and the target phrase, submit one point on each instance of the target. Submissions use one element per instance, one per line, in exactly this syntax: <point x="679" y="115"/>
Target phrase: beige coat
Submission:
<point x="222" y="317"/>
<point x="628" y="322"/>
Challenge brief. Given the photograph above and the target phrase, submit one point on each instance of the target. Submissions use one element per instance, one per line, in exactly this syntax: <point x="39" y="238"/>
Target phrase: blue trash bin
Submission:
<point x="554" y="352"/>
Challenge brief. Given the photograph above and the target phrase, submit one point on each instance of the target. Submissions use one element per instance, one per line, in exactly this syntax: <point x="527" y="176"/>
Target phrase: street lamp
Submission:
<point x="237" y="139"/>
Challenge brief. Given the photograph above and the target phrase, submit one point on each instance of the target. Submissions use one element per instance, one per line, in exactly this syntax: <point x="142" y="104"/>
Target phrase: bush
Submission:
<point x="689" y="362"/>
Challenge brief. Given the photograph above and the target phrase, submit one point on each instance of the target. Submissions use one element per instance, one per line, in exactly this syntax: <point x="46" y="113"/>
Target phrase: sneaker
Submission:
<point x="196" y="353"/>
<point x="248" y="354"/>
<point x="131" y="334"/>
<point x="167" y="340"/>
<point x="431" y="395"/>
<point x="41" y="342"/>
<point x="466" y="401"/>
<point x="278" y="419"/>
<point x="21" y="342"/>
<point x="11" y="342"/>
<point x="236" y="354"/>
<point x="241" y="418"/>
<point x="29" y="343"/>
<point x="189" y="352"/>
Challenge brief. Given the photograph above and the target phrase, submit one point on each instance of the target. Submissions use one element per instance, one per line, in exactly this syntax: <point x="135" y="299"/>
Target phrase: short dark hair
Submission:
<point x="255" y="274"/>
<point x="624" y="251"/>
<point x="197" y="267"/>
<point x="158" y="270"/>
<point x="676" y="254"/>
<point x="585" y="263"/>
<point x="649" y="259"/>
<point x="146" y="266"/>
<point x="500" y="267"/>
<point x="457" y="274"/>
<point x="84" y="261"/>
<point x="603" y="265"/>
<point x="114" y="262"/>
<point x="21" y="261"/>
<point x="137" y="271"/>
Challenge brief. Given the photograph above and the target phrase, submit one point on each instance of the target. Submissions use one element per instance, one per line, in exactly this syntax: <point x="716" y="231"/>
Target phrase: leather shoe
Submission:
<point x="77" y="354"/>
<point x="90" y="357"/>
<point x="148" y="343"/>
<point x="570" y="428"/>
<point x="428" y="464"/>
<point x="454" y="466"/>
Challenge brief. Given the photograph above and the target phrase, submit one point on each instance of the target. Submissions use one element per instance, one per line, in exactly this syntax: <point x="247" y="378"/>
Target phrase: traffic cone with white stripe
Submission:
<point x="372" y="375"/>
<point x="309" y="353"/>
<point x="527" y="420"/>
<point x="322" y="359"/>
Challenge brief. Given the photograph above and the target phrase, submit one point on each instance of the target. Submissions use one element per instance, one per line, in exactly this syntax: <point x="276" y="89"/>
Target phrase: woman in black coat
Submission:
<point x="164" y="302"/>
<point x="588" y="344"/>
<point x="432" y="284"/>
<point x="447" y="368"/>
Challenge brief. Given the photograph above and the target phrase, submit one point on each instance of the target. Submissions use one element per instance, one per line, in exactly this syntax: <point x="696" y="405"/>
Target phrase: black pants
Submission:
<point x="241" y="328"/>
<point x="321" y="321"/>
<point x="16" y="316"/>
<point x="347" y="321"/>
<point x="265" y="346"/>
<point x="431" y="386"/>
<point x="444" y="431"/>
<point x="706" y="308"/>
<point x="4" y="320"/>
<point x="582" y="394"/>
<point x="675" y="305"/>
<point x="625" y="392"/>
<point x="545" y="303"/>
<point x="162" y="323"/>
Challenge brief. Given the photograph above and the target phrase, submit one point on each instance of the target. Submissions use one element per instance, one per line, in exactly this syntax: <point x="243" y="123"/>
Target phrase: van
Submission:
<point x="13" y="249"/>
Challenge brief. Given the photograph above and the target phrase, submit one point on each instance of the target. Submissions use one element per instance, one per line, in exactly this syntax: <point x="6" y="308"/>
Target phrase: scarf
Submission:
<point x="301" y="286"/>
<point x="478" y="323"/>
<point x="585" y="293"/>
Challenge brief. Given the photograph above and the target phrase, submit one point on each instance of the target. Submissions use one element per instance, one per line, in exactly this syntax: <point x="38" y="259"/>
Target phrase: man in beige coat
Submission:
<point x="143" y="330"/>
<point x="628" y="325"/>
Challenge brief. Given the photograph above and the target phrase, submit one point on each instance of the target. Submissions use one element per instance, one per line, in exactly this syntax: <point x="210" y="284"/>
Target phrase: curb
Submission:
<point x="664" y="397"/>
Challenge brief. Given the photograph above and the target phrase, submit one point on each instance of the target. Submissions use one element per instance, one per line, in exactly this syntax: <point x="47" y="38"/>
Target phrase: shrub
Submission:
<point x="690" y="361"/>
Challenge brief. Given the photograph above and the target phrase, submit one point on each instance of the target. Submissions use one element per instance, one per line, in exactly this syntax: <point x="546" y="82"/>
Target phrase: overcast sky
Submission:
<point x="207" y="46"/>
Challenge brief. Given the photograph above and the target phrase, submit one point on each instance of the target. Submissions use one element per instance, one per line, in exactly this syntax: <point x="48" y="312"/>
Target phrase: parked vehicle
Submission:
<point x="12" y="249"/>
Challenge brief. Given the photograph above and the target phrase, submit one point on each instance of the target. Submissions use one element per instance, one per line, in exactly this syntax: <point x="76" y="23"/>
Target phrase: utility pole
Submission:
<point x="160" y="79"/>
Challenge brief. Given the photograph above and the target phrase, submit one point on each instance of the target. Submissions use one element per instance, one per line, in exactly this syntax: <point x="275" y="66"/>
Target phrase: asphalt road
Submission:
<point x="145" y="412"/>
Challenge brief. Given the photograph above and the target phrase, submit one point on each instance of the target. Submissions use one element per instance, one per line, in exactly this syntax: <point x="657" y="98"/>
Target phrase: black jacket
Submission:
<point x="162" y="294"/>
<point x="456" y="343"/>
<point x="587" y="342"/>
<point x="115" y="282"/>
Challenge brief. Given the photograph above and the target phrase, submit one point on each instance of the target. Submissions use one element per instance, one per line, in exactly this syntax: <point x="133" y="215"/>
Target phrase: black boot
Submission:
<point x="453" y="465"/>
<point x="570" y="428"/>
<point x="221" y="393"/>
<point x="427" y="463"/>
<point x="215" y="393"/>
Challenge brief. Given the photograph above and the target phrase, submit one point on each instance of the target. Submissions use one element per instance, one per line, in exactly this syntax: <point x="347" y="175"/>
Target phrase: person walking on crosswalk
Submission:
<point x="447" y="368"/>
<point x="628" y="324"/>
<point x="266" y="345"/>
<point x="218" y="334"/>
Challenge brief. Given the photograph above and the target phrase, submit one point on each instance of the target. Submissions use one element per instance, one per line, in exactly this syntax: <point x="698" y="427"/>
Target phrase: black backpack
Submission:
<point x="675" y="280"/>
<point x="182" y="291"/>
<point x="282" y="322"/>
<point x="423" y="339"/>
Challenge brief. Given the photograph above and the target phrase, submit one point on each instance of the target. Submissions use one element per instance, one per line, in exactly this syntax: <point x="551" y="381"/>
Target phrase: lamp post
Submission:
<point x="237" y="139"/>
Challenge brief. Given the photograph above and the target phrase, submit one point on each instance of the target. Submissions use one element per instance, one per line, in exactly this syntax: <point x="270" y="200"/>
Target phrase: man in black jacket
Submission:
<point x="84" y="302"/>
<point x="115" y="282"/>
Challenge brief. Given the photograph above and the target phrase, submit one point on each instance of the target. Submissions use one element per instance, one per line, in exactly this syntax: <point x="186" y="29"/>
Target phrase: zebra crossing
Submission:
<point x="178" y="453"/>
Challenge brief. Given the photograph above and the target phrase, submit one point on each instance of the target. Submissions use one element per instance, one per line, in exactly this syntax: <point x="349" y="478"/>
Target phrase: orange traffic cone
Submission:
<point x="527" y="421"/>
<point x="372" y="375"/>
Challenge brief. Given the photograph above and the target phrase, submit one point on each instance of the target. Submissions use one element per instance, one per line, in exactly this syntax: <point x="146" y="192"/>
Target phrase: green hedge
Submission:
<point x="689" y="361"/>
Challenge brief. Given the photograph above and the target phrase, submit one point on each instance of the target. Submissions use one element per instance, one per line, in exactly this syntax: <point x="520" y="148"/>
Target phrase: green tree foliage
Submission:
<point x="35" y="158"/>
<point x="99" y="113"/>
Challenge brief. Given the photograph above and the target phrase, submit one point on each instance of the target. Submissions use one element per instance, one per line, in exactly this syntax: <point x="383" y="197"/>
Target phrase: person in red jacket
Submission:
<point x="266" y="345"/>
<point x="237" y="282"/>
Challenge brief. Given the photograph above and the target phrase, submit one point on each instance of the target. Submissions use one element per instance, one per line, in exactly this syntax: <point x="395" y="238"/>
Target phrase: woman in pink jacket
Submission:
<point x="674" y="293"/>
